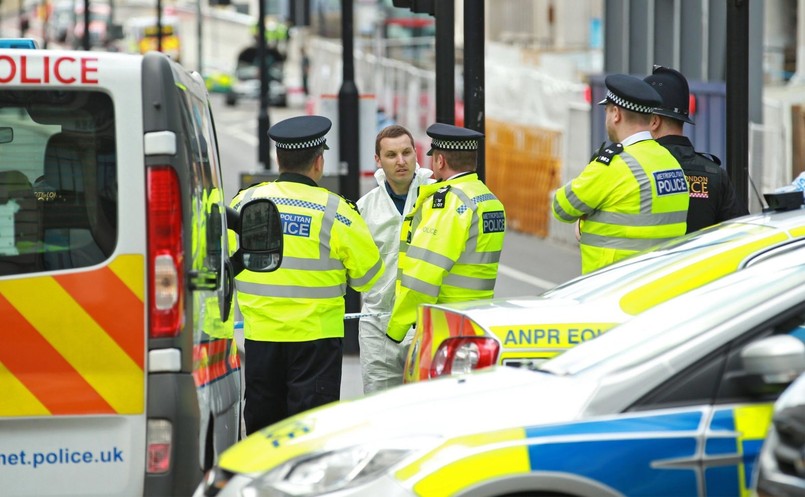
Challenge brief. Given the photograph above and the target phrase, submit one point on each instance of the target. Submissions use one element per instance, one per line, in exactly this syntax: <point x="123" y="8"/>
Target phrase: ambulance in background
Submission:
<point x="142" y="36"/>
<point x="118" y="370"/>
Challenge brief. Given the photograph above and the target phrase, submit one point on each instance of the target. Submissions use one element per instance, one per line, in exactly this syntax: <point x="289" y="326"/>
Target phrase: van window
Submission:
<point x="58" y="180"/>
<point x="206" y="191"/>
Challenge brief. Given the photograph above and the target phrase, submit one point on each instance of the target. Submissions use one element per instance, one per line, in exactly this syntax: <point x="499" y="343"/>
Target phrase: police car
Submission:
<point x="119" y="374"/>
<point x="675" y="402"/>
<point x="781" y="465"/>
<point x="458" y="337"/>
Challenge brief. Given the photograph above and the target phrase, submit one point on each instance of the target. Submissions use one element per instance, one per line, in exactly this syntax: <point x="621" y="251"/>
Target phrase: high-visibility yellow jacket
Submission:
<point x="326" y="246"/>
<point x="629" y="198"/>
<point x="449" y="249"/>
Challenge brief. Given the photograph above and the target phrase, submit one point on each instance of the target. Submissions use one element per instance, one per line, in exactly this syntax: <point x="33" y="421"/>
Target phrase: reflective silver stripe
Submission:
<point x="575" y="201"/>
<point x="366" y="278"/>
<point x="306" y="292"/>
<point x="327" y="225"/>
<point x="561" y="212"/>
<point x="326" y="264"/>
<point x="469" y="282"/>
<point x="643" y="182"/>
<point x="623" y="219"/>
<point x="430" y="257"/>
<point x="477" y="258"/>
<point x="472" y="237"/>
<point x="420" y="286"/>
<point x="246" y="197"/>
<point x="621" y="243"/>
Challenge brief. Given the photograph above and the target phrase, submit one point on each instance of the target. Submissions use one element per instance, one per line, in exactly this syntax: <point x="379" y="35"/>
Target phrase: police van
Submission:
<point x="118" y="371"/>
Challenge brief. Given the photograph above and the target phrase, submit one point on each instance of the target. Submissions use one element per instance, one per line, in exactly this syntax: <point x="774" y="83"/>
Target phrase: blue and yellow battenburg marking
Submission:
<point x="657" y="454"/>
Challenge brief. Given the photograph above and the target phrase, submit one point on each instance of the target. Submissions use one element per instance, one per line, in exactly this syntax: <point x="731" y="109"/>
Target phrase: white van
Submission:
<point x="118" y="371"/>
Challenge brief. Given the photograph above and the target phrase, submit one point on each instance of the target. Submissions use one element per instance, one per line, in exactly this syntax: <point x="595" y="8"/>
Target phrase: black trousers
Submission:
<point x="286" y="378"/>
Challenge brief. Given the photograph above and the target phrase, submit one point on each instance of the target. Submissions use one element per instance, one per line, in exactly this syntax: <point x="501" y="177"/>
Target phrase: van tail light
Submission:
<point x="158" y="443"/>
<point x="459" y="355"/>
<point x="165" y="281"/>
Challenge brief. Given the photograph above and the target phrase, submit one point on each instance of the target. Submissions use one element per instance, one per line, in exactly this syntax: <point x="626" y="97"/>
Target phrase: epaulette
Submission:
<point x="605" y="156"/>
<point x="710" y="157"/>
<point x="350" y="203"/>
<point x="440" y="196"/>
<point x="247" y="187"/>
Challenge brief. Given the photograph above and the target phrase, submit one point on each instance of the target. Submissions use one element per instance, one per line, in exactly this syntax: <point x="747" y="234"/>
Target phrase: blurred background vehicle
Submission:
<point x="141" y="35"/>
<point x="102" y="31"/>
<point x="246" y="80"/>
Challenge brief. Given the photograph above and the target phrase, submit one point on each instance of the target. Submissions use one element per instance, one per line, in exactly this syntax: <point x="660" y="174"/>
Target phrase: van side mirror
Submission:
<point x="260" y="229"/>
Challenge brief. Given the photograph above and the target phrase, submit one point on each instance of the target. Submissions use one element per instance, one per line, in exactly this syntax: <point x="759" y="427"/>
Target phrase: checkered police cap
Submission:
<point x="631" y="93"/>
<point x="449" y="137"/>
<point x="301" y="132"/>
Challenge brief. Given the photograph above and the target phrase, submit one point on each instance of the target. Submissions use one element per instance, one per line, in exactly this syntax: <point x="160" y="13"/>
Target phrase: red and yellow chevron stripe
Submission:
<point x="213" y="360"/>
<point x="74" y="343"/>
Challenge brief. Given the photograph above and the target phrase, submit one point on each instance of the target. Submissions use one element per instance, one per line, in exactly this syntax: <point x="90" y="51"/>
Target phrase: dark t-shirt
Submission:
<point x="399" y="200"/>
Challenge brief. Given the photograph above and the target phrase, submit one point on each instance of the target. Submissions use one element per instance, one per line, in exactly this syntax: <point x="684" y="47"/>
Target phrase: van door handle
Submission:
<point x="203" y="280"/>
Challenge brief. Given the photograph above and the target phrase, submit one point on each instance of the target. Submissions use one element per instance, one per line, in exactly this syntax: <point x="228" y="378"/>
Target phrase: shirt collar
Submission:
<point x="464" y="173"/>
<point x="637" y="137"/>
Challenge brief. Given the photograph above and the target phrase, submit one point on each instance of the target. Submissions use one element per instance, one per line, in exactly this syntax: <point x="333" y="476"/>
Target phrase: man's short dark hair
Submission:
<point x="393" y="131"/>
<point x="460" y="160"/>
<point x="298" y="161"/>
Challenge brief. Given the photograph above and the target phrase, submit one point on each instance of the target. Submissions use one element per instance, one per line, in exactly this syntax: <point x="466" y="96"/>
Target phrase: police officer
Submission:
<point x="293" y="318"/>
<point x="451" y="241"/>
<point x="712" y="196"/>
<point x="633" y="194"/>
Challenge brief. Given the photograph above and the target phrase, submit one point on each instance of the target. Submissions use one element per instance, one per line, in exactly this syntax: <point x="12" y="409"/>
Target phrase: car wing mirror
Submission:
<point x="776" y="360"/>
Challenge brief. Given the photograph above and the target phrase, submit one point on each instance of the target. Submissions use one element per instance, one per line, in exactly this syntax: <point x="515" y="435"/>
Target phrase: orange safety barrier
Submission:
<point x="523" y="167"/>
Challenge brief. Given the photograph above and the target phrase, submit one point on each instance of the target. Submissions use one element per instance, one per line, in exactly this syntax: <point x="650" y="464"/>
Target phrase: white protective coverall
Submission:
<point x="382" y="361"/>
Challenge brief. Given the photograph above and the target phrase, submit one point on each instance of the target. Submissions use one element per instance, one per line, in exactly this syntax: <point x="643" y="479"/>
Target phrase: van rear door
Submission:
<point x="72" y="274"/>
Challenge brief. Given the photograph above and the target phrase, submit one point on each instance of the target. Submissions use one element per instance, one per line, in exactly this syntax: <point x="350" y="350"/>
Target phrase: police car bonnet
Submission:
<point x="449" y="137"/>
<point x="301" y="132"/>
<point x="631" y="93"/>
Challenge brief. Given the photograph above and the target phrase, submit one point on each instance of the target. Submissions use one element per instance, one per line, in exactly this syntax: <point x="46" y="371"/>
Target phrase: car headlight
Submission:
<point x="329" y="471"/>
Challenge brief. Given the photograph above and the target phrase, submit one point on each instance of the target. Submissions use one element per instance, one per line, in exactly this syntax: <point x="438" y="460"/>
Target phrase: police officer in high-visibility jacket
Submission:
<point x="293" y="318"/>
<point x="451" y="241"/>
<point x="633" y="194"/>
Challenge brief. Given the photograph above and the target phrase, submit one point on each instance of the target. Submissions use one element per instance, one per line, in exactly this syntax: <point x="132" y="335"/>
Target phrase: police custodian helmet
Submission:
<point x="631" y="93"/>
<point x="673" y="88"/>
